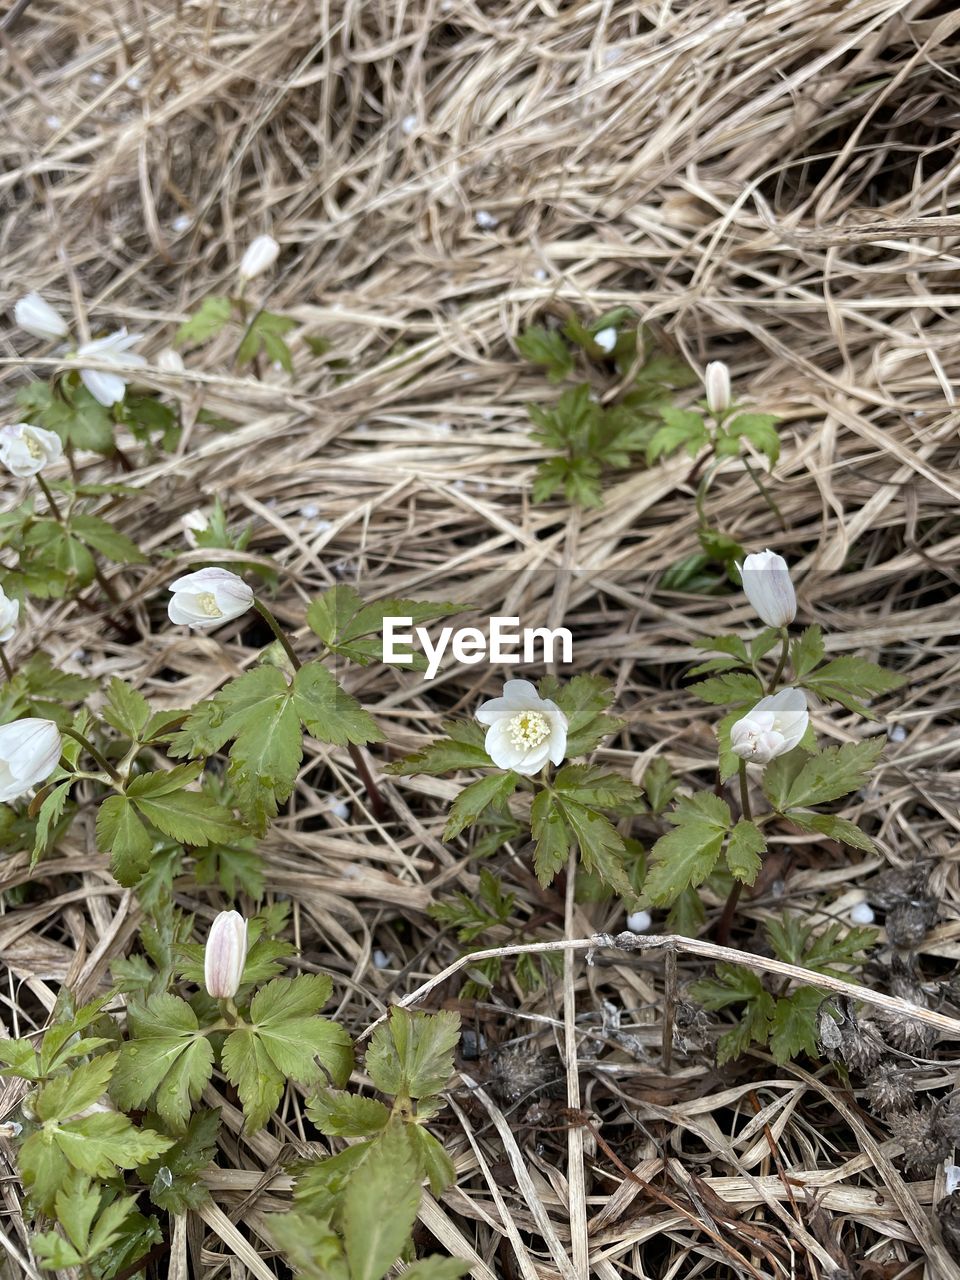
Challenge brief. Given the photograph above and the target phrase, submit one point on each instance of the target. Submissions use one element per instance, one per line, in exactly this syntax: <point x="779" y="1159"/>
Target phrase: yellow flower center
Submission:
<point x="32" y="444"/>
<point x="207" y="603"/>
<point x="528" y="729"/>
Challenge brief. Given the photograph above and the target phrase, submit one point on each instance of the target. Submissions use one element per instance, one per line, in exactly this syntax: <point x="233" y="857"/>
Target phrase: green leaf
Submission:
<point x="172" y="1177"/>
<point x="50" y="813"/>
<point x="167" y="1055"/>
<point x="347" y="1115"/>
<point x="584" y="700"/>
<point x="495" y="789"/>
<point x="659" y="784"/>
<point x="328" y="712"/>
<point x="462" y="750"/>
<point x="794" y="1028"/>
<point x="380" y="1208"/>
<point x="312" y="1248"/>
<point x="206" y="322"/>
<point x="833" y="773"/>
<point x="547" y="348"/>
<point x="743" y="851"/>
<point x="682" y="428"/>
<point x="554" y="840"/>
<point x="847" y="680"/>
<point x="601" y="845"/>
<point x="121" y="834"/>
<point x="598" y="788"/>
<point x="126" y="708"/>
<point x="806" y="651"/>
<point x="432" y="1159"/>
<point x="190" y="817"/>
<point x="836" y="828"/>
<point x="689" y="853"/>
<point x="283" y="1016"/>
<point x="760" y="430"/>
<point x="411" y="1054"/>
<point x="86" y="1084"/>
<point x="435" y="1268"/>
<point x="103" y="537"/>
<point x="735" y="687"/>
<point x="687" y="915"/>
<point x="249" y="1067"/>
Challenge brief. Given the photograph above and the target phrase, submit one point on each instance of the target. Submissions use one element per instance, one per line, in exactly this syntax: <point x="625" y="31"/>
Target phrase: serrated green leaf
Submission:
<point x="168" y="1056"/>
<point x="601" y="846"/>
<point x="380" y="1208"/>
<point x="312" y="1248"/>
<point x="598" y="788"/>
<point x="436" y="1268"/>
<point x="688" y="854"/>
<point x="659" y="784"/>
<point x="190" y="817"/>
<point x="121" y="834"/>
<point x="328" y="712"/>
<point x="547" y="348"/>
<point x="126" y="708"/>
<point x="794" y="1027"/>
<point x="584" y="700"/>
<point x="761" y="430"/>
<point x="495" y="789"/>
<point x="103" y="537"/>
<point x="172" y="1177"/>
<point x="50" y="813"/>
<point x="444" y="756"/>
<point x="847" y="680"/>
<point x="834" y="827"/>
<point x="206" y="322"/>
<point x="554" y="840"/>
<point x="743" y="851"/>
<point x="682" y="428"/>
<point x="432" y="1159"/>
<point x="806" y="651"/>
<point x="283" y="1014"/>
<point x="347" y="1115"/>
<point x="735" y="687"/>
<point x="834" y="772"/>
<point x="249" y="1067"/>
<point x="411" y="1054"/>
<point x="66" y="1095"/>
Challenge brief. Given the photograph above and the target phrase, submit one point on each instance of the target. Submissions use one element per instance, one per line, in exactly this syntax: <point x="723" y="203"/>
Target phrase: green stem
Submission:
<point x="277" y="630"/>
<point x="784" y="651"/>
<point x="730" y="906"/>
<point x="7" y="669"/>
<point x="762" y="490"/>
<point x="57" y="513"/>
<point x="104" y="764"/>
<point x="106" y="586"/>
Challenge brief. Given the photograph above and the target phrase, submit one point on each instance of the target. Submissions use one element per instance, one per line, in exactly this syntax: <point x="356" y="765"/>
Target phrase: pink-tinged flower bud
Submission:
<point x="35" y="316"/>
<point x="261" y="254"/>
<point x="771" y="728"/>
<point x="225" y="955"/>
<point x="29" y="752"/>
<point x="716" y="383"/>
<point x="25" y="450"/>
<point x="208" y="598"/>
<point x="766" y="582"/>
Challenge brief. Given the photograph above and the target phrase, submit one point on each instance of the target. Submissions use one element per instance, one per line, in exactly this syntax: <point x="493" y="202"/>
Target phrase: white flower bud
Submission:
<point x="261" y="254"/>
<point x="767" y="585"/>
<point x="225" y="955"/>
<point x="108" y="387"/>
<point x="861" y="913"/>
<point x="9" y="615"/>
<point x="771" y="728"/>
<point x="192" y="523"/>
<point x="606" y="339"/>
<point x="716" y="383"/>
<point x="25" y="450"/>
<point x="170" y="361"/>
<point x="35" y="316"/>
<point x="29" y="751"/>
<point x="639" y="921"/>
<point x="525" y="730"/>
<point x="208" y="598"/>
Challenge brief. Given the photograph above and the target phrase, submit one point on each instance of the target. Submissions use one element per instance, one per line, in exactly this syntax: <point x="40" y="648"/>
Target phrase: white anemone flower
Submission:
<point x="29" y="752"/>
<point x="25" y="450"/>
<point x="109" y="387"/>
<point x="525" y="730"/>
<point x="769" y="588"/>
<point x="261" y="254"/>
<point x="9" y="617"/>
<point x="208" y="598"/>
<point x="771" y="728"/>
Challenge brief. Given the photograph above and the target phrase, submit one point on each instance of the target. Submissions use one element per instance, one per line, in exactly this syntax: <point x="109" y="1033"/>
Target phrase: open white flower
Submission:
<point x="25" y="449"/>
<point x="716" y="383"/>
<point x="106" y="386"/>
<point x="771" y="728"/>
<point x="36" y="316"/>
<point x="767" y="584"/>
<point x="9" y="615"/>
<point x="261" y="254"/>
<point x="525" y="730"/>
<point x="208" y="598"/>
<point x="29" y="752"/>
<point x="225" y="955"/>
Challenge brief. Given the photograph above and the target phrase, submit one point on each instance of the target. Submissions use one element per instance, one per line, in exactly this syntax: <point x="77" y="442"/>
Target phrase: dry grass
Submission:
<point x="772" y="185"/>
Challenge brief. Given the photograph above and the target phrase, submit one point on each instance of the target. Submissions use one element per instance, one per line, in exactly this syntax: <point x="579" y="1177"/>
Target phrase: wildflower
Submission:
<point x="639" y="921"/>
<point x="208" y="598"/>
<point x="261" y="254"/>
<point x="486" y="220"/>
<point x="35" y="316"/>
<point x="109" y="388"/>
<point x="766" y="582"/>
<point x="29" y="751"/>
<point x="192" y="523"/>
<point x="606" y="339"/>
<point x="716" y="383"/>
<point x="771" y="728"/>
<point x="525" y="730"/>
<point x="225" y="955"/>
<point x="9" y="614"/>
<point x="25" y="450"/>
<point x="861" y="913"/>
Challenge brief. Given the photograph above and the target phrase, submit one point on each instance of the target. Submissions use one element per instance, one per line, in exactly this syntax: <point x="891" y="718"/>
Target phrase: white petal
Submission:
<point x="107" y="388"/>
<point x="500" y="749"/>
<point x="493" y="710"/>
<point x="522" y="695"/>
